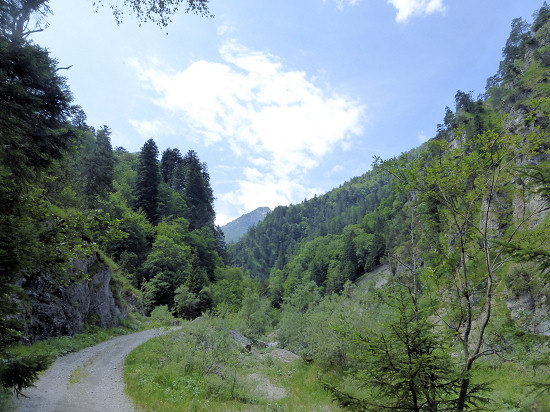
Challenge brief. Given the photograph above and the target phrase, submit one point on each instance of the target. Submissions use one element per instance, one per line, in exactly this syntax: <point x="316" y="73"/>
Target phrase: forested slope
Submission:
<point x="352" y="228"/>
<point x="88" y="233"/>
<point x="460" y="226"/>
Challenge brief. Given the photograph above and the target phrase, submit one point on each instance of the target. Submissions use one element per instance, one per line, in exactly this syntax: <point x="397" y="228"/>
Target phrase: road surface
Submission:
<point x="87" y="381"/>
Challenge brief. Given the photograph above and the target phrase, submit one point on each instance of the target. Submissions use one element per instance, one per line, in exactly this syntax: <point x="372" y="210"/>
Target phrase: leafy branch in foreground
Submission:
<point x="157" y="11"/>
<point x="18" y="373"/>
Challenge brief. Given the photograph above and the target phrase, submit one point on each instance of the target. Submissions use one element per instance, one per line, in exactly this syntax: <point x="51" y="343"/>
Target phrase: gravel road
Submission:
<point x="86" y="381"/>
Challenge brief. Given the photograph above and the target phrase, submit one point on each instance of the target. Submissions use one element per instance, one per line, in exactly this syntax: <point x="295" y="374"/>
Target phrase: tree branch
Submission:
<point x="64" y="68"/>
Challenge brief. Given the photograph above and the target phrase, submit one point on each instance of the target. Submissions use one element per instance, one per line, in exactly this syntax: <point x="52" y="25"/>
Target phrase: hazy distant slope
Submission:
<point x="238" y="227"/>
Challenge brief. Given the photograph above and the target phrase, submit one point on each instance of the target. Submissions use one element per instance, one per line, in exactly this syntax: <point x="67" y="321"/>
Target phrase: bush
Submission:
<point x="254" y="315"/>
<point x="161" y="316"/>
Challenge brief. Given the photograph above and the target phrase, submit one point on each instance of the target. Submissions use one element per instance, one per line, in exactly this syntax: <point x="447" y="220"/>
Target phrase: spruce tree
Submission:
<point x="148" y="180"/>
<point x="171" y="159"/>
<point x="99" y="167"/>
<point x="193" y="182"/>
<point x="34" y="111"/>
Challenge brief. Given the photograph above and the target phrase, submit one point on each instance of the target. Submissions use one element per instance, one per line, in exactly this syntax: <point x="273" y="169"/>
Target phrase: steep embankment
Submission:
<point x="55" y="309"/>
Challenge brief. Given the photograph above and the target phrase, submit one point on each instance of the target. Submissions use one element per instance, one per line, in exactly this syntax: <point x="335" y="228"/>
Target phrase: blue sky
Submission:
<point x="282" y="99"/>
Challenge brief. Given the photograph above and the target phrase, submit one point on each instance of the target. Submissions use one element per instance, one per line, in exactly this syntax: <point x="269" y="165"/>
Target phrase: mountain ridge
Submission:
<point x="235" y="229"/>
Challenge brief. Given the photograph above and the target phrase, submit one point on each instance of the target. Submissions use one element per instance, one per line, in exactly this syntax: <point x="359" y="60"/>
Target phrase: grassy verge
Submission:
<point x="201" y="368"/>
<point x="92" y="335"/>
<point x="512" y="388"/>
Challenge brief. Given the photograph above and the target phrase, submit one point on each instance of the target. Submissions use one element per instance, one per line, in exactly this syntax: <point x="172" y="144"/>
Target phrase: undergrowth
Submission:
<point x="201" y="368"/>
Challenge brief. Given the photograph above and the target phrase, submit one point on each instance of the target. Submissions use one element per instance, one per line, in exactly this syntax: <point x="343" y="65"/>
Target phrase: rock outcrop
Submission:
<point x="57" y="310"/>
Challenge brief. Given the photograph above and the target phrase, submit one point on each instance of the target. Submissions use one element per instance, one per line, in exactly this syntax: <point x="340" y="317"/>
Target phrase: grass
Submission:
<point x="512" y="389"/>
<point x="92" y="335"/>
<point x="201" y="368"/>
<point x="80" y="373"/>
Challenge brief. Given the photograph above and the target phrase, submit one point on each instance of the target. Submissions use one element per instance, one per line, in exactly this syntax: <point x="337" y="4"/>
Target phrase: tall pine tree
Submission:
<point x="148" y="180"/>
<point x="171" y="159"/>
<point x="193" y="182"/>
<point x="99" y="167"/>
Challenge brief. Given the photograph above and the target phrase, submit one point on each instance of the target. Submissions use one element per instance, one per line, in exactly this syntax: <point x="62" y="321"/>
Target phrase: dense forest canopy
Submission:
<point x="66" y="194"/>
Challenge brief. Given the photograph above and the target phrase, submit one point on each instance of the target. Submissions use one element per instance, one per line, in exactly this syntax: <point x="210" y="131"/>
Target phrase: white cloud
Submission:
<point x="152" y="128"/>
<point x="222" y="219"/>
<point x="268" y="191"/>
<point x="252" y="173"/>
<point x="342" y="3"/>
<point x="422" y="137"/>
<point x="225" y="29"/>
<point x="336" y="169"/>
<point x="277" y="120"/>
<point x="410" y="8"/>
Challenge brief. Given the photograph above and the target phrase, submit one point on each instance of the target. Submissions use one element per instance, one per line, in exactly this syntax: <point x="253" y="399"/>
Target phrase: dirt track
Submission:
<point x="86" y="381"/>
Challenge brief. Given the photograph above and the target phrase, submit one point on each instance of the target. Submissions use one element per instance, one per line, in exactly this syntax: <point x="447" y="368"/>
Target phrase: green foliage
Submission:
<point x="125" y="175"/>
<point x="514" y="46"/>
<point x="192" y="180"/>
<point x="464" y="180"/>
<point x="20" y="373"/>
<point x="148" y="181"/>
<point x="183" y="369"/>
<point x="202" y="368"/>
<point x="187" y="303"/>
<point x="171" y="203"/>
<point x="405" y="364"/>
<point x="541" y="17"/>
<point x="307" y="325"/>
<point x="254" y="315"/>
<point x="294" y="322"/>
<point x="228" y="291"/>
<point x="65" y="194"/>
<point x="99" y="167"/>
<point x="275" y="240"/>
<point x="161" y="316"/>
<point x="131" y="250"/>
<point x="159" y="12"/>
<point x="167" y="256"/>
<point x="171" y="159"/>
<point x="465" y="205"/>
<point x="34" y="111"/>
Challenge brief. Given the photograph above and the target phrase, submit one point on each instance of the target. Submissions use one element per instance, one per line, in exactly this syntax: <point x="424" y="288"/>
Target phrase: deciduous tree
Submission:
<point x="464" y="178"/>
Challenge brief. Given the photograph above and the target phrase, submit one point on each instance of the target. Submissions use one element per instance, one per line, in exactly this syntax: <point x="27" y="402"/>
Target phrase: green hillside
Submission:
<point x="456" y="231"/>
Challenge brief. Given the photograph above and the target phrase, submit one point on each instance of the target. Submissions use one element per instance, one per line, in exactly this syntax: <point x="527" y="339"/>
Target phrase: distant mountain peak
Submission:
<point x="235" y="229"/>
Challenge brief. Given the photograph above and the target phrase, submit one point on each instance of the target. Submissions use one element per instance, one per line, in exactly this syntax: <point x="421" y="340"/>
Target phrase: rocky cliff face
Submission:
<point x="56" y="310"/>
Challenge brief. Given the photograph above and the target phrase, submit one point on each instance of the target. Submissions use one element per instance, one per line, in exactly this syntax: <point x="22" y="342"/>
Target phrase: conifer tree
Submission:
<point x="99" y="166"/>
<point x="171" y="159"/>
<point x="193" y="181"/>
<point x="34" y="111"/>
<point x="148" y="180"/>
